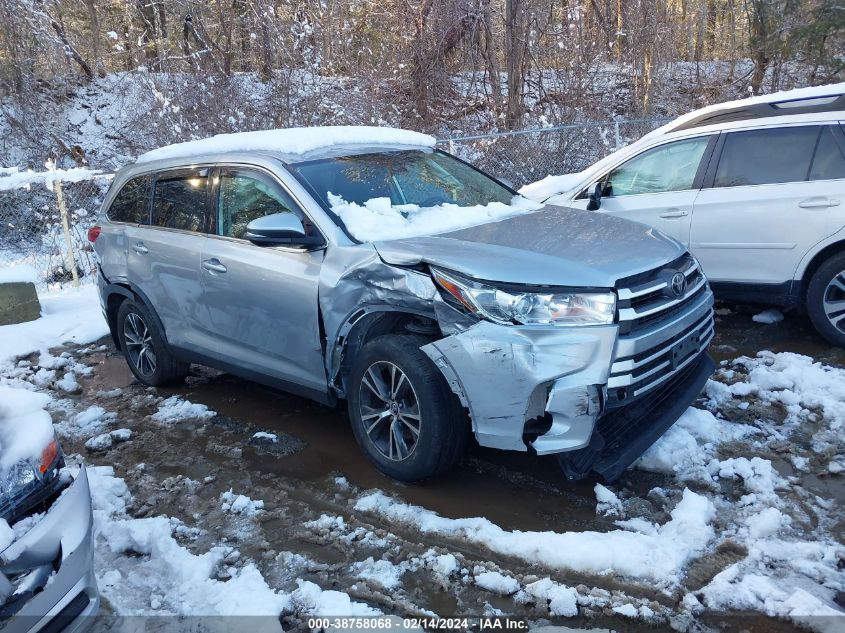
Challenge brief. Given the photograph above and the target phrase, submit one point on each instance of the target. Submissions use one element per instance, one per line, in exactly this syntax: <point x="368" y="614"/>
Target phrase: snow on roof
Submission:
<point x="774" y="97"/>
<point x="297" y="140"/>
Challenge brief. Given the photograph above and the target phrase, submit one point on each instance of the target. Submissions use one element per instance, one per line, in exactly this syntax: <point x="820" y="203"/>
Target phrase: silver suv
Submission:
<point x="362" y="264"/>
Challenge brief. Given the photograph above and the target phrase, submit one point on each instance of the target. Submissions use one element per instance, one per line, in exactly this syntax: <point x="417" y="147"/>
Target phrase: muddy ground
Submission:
<point x="182" y="469"/>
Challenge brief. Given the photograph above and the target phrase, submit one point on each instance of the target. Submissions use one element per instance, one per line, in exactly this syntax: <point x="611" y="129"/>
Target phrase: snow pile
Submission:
<point x="105" y="441"/>
<point x="144" y="570"/>
<point x="240" y="504"/>
<point x="779" y="577"/>
<point x="608" y="503"/>
<point x="768" y="317"/>
<point x="562" y="600"/>
<point x="22" y="273"/>
<point x="550" y="186"/>
<point x="689" y="445"/>
<point x="497" y="582"/>
<point x="71" y="315"/>
<point x="293" y="141"/>
<point x="659" y="556"/>
<point x="379" y="219"/>
<point x="381" y="572"/>
<point x="175" y="409"/>
<point x="25" y="427"/>
<point x="310" y="599"/>
<point x="269" y="437"/>
<point x="810" y="392"/>
<point x="86" y="422"/>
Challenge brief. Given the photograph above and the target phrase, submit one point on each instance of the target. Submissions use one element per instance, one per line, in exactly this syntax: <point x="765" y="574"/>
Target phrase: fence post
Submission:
<point x="616" y="134"/>
<point x="70" y="258"/>
<point x="451" y="147"/>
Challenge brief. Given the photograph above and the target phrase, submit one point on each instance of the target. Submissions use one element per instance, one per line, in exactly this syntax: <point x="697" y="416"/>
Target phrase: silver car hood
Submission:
<point x="554" y="246"/>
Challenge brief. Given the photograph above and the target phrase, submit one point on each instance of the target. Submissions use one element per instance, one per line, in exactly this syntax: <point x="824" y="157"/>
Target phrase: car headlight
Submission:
<point x="510" y="307"/>
<point x="24" y="474"/>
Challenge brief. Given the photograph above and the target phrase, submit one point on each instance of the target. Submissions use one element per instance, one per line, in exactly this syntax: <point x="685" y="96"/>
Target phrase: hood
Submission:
<point x="554" y="246"/>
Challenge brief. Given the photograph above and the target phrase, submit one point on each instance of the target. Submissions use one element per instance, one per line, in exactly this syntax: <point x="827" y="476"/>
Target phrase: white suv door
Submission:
<point x="766" y="202"/>
<point x="657" y="186"/>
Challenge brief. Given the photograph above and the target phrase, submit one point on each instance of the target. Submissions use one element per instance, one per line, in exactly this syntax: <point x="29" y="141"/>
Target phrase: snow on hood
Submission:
<point x="25" y="427"/>
<point x="297" y="140"/>
<point x="378" y="219"/>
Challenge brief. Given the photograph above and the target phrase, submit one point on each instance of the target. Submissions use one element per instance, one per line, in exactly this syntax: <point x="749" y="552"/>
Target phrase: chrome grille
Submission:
<point x="647" y="302"/>
<point x="659" y="334"/>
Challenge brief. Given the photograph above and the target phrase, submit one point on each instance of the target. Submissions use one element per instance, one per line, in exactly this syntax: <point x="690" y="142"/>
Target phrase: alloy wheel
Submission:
<point x="389" y="409"/>
<point x="833" y="301"/>
<point x="139" y="344"/>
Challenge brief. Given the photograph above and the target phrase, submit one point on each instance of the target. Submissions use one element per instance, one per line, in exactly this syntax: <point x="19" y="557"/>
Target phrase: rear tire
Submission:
<point x="404" y="416"/>
<point x="144" y="347"/>
<point x="826" y="300"/>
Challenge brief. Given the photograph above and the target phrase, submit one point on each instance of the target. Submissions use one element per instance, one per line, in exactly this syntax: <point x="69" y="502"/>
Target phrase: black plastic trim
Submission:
<point x="786" y="294"/>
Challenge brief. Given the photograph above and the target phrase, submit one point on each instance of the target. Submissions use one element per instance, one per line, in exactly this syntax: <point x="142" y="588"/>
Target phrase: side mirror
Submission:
<point x="277" y="229"/>
<point x="594" y="198"/>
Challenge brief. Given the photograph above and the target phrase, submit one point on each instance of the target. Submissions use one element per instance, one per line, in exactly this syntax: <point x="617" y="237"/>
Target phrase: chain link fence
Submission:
<point x="526" y="156"/>
<point x="45" y="216"/>
<point x="44" y="221"/>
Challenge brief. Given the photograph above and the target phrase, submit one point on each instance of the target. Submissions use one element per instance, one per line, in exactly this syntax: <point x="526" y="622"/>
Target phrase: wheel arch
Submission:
<point x="813" y="265"/>
<point x="366" y="324"/>
<point x="115" y="294"/>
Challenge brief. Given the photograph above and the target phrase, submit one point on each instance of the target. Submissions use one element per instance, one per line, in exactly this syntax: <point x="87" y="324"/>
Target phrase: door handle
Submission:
<point x="140" y="248"/>
<point x="674" y="213"/>
<point x="818" y="202"/>
<point x="214" y="266"/>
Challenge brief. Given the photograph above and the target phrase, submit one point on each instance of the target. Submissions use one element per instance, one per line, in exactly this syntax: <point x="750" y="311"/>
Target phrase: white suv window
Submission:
<point x="829" y="162"/>
<point x="670" y="167"/>
<point x="764" y="157"/>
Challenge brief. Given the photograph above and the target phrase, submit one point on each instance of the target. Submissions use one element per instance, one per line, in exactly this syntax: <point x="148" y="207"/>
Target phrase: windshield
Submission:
<point x="415" y="177"/>
<point x="390" y="195"/>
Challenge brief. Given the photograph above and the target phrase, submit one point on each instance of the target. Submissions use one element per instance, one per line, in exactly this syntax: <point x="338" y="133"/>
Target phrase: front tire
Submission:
<point x="826" y="300"/>
<point x="404" y="416"/>
<point x="144" y="347"/>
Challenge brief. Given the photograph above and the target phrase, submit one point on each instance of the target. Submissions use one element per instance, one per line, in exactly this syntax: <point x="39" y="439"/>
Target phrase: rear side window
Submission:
<point x="132" y="203"/>
<point x="829" y="162"/>
<point x="180" y="201"/>
<point x="763" y="157"/>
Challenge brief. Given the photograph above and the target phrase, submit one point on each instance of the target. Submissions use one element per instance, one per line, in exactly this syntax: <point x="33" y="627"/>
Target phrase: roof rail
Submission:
<point x="834" y="102"/>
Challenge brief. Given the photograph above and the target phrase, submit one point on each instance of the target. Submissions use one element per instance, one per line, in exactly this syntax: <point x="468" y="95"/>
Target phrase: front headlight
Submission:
<point x="24" y="474"/>
<point x="529" y="308"/>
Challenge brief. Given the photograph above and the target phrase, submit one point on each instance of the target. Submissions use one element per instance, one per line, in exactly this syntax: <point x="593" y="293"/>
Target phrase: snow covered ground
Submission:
<point x="221" y="498"/>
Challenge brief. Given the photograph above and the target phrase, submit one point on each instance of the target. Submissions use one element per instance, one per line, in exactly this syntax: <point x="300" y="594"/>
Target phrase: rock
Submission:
<point x="18" y="303"/>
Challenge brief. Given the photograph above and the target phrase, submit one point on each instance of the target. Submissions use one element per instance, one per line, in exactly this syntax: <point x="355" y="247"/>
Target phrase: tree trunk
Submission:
<point x="71" y="50"/>
<point x="94" y="19"/>
<point x="515" y="43"/>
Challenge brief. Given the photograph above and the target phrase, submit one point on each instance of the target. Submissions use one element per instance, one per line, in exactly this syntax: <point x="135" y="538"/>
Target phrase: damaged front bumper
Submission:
<point x="508" y="376"/>
<point x="546" y="389"/>
<point x="48" y="571"/>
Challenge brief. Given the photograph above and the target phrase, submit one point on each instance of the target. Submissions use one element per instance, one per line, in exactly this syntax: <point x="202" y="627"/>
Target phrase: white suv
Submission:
<point x="754" y="188"/>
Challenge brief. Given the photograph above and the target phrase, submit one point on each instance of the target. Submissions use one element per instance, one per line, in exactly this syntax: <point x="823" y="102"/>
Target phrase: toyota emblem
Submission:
<point x="679" y="284"/>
